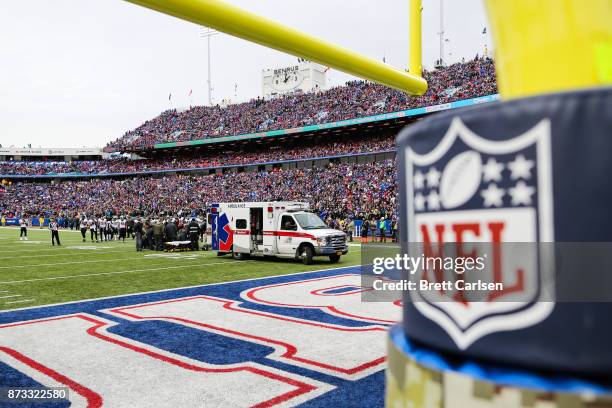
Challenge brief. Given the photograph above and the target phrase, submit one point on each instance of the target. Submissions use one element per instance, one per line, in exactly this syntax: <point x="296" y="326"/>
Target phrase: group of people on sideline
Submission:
<point x="379" y="230"/>
<point x="153" y="232"/>
<point x="148" y="232"/>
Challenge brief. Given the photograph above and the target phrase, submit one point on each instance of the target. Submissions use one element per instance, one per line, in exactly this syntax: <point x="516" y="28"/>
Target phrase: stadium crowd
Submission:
<point x="333" y="147"/>
<point x="355" y="99"/>
<point x="339" y="193"/>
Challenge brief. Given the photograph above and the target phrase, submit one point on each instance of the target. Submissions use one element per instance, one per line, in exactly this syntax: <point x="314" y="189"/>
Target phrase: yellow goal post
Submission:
<point x="227" y="18"/>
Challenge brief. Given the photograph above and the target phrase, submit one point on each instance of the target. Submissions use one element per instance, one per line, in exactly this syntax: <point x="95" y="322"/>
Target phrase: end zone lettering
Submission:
<point x="273" y="325"/>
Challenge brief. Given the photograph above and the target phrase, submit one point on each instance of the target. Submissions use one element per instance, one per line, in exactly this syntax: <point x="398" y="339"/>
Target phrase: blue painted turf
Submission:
<point x="208" y="347"/>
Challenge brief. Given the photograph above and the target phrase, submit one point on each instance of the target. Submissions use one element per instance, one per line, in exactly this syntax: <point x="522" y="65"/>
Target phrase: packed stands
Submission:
<point x="332" y="146"/>
<point x="339" y="190"/>
<point x="355" y="99"/>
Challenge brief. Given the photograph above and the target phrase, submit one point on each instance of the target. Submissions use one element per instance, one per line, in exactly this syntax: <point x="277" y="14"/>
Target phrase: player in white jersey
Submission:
<point x="102" y="228"/>
<point x="83" y="227"/>
<point x="23" y="227"/>
<point x="109" y="230"/>
<point x="122" y="228"/>
<point x="115" y="225"/>
<point x="93" y="229"/>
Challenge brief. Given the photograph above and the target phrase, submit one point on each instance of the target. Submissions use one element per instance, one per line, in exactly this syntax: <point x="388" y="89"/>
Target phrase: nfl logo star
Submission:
<point x="469" y="190"/>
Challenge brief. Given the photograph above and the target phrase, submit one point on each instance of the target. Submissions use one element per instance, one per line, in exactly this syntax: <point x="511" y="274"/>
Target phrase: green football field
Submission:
<point x="35" y="273"/>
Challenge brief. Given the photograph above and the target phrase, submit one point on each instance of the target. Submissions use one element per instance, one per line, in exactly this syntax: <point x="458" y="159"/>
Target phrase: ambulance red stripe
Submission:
<point x="290" y="234"/>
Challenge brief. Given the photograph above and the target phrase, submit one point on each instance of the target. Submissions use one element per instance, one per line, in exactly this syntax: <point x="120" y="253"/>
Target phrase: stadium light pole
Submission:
<point x="441" y="33"/>
<point x="232" y="20"/>
<point x="207" y="32"/>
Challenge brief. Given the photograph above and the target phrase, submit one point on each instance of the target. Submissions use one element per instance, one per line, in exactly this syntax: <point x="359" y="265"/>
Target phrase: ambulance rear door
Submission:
<point x="239" y="217"/>
<point x="269" y="226"/>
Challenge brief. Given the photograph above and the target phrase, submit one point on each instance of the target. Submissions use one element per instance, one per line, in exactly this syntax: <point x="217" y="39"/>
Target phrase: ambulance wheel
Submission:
<point x="239" y="256"/>
<point x="334" y="258"/>
<point x="307" y="255"/>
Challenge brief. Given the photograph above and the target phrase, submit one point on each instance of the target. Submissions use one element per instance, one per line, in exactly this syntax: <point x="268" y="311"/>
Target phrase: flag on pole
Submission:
<point x="484" y="31"/>
<point x="170" y="96"/>
<point x="190" y="92"/>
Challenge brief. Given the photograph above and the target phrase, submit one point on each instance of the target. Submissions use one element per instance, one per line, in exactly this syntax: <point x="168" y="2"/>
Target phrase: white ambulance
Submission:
<point x="280" y="229"/>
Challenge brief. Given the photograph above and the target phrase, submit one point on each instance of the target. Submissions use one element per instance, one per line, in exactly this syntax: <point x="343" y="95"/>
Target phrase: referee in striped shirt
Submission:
<point x="54" y="232"/>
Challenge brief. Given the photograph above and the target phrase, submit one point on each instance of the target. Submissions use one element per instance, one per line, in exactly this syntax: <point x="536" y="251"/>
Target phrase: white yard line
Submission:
<point x="374" y="245"/>
<point x="89" y="253"/>
<point x="66" y="248"/>
<point x="120" y="272"/>
<point x="101" y="260"/>
<point x="179" y="288"/>
<point x="19" y="301"/>
<point x="65" y="263"/>
<point x="9" y="296"/>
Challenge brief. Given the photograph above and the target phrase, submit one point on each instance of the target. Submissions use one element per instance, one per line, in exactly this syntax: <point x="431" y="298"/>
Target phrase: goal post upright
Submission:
<point x="416" y="38"/>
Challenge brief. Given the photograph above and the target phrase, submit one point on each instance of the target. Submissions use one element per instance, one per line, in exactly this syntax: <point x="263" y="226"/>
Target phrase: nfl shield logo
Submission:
<point x="469" y="189"/>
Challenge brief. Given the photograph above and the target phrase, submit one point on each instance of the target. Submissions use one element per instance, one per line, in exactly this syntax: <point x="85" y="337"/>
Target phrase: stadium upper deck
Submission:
<point x="368" y="129"/>
<point x="362" y="137"/>
<point x="354" y="100"/>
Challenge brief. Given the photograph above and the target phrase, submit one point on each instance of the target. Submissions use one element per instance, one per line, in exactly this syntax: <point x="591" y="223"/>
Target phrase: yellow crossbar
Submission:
<point x="237" y="22"/>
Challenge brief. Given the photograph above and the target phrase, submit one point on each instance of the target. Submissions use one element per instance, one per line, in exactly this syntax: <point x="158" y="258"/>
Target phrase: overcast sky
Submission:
<point x="79" y="73"/>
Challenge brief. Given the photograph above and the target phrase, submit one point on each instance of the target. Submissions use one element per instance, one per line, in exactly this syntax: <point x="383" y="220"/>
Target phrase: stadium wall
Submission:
<point x="7" y="222"/>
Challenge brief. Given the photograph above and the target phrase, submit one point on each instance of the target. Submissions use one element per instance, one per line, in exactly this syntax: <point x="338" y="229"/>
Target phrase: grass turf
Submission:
<point x="34" y="273"/>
